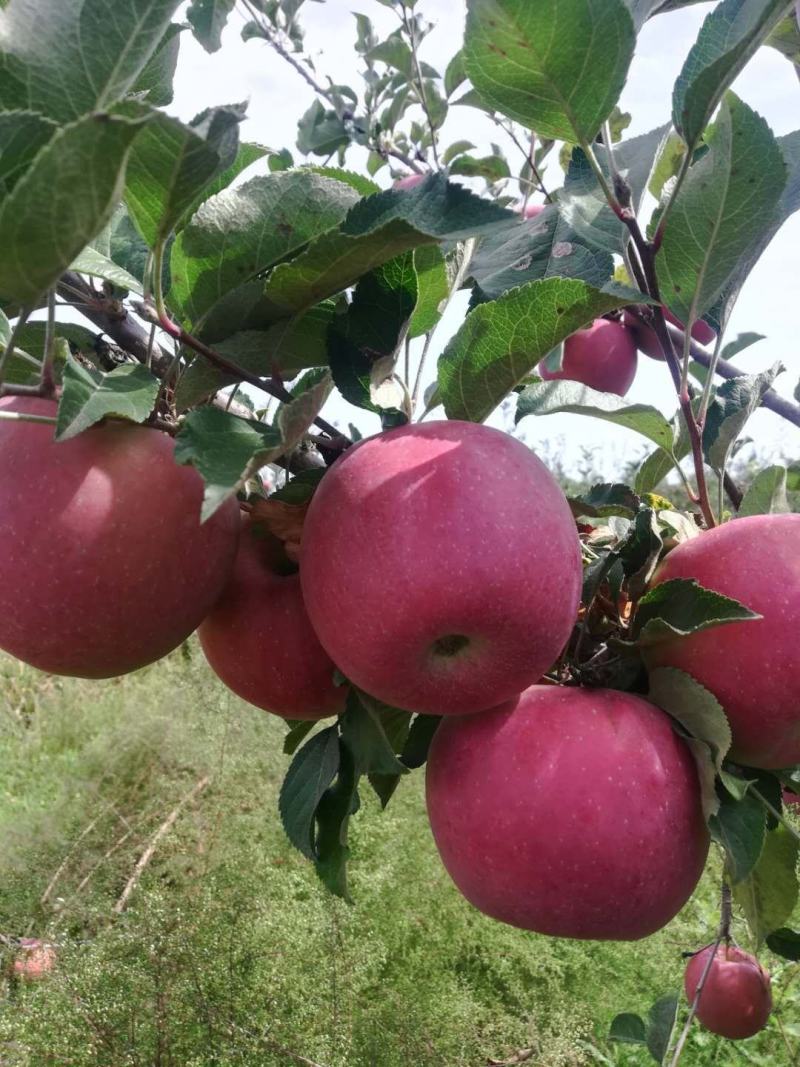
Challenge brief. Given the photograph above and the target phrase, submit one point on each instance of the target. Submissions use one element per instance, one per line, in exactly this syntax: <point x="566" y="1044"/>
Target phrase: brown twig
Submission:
<point x="161" y="832"/>
<point x="113" y="319"/>
<point x="266" y="385"/>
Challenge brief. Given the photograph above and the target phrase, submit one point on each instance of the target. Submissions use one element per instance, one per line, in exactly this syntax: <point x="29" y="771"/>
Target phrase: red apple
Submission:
<point x="646" y="338"/>
<point x="790" y="799"/>
<point x="35" y="960"/>
<point x="530" y="211"/>
<point x="104" y="565"/>
<point x="260" y="642"/>
<point x="411" y="181"/>
<point x="614" y="859"/>
<point x="602" y="357"/>
<point x="441" y="567"/>
<point x="735" y="1000"/>
<point x="751" y="667"/>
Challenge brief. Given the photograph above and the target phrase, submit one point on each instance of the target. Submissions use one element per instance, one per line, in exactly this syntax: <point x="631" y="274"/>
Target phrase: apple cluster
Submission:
<point x="440" y="571"/>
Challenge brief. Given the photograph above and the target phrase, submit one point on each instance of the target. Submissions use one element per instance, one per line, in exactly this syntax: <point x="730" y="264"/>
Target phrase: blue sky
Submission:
<point x="278" y="96"/>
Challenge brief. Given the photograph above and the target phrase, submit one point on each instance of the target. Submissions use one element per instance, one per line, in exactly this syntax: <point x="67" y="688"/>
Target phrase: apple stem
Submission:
<point x="47" y="382"/>
<point x="774" y="812"/>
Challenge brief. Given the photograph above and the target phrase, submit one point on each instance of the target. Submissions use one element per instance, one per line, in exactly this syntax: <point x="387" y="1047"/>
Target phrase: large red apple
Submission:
<point x="751" y="667"/>
<point x="647" y="340"/>
<point x="736" y="999"/>
<point x="104" y="565"/>
<point x="602" y="357"/>
<point x="615" y="858"/>
<point x="260" y="642"/>
<point x="441" y="567"/>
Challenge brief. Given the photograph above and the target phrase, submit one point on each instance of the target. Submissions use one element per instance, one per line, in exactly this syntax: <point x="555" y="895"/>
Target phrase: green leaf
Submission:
<point x="546" y="398"/>
<point x="127" y="392"/>
<point x="556" y="66"/>
<point x="301" y="488"/>
<point x="366" y="737"/>
<point x="242" y="232"/>
<point x="433" y="289"/>
<point x="604" y="500"/>
<point x="503" y="341"/>
<point x="766" y="494"/>
<point x="739" y="344"/>
<point x="583" y="203"/>
<point x="418" y="742"/>
<point x="667" y="164"/>
<point x="90" y="261"/>
<point x="788" y="204"/>
<point x="492" y="168"/>
<point x="733" y="404"/>
<point x="378" y="229"/>
<point x="207" y="19"/>
<point x="628" y="1029"/>
<point x="22" y="135"/>
<point x="154" y="84"/>
<point x="363" y="186"/>
<point x="691" y="704"/>
<point x="53" y="211"/>
<point x="225" y="449"/>
<point x="77" y="56"/>
<point x="726" y="204"/>
<point x="785" y="942"/>
<point x="310" y="773"/>
<point x="333" y="819"/>
<point x="729" y="38"/>
<point x="660" y="1024"/>
<point x="297" y="733"/>
<point x="321" y="132"/>
<point x="294" y="417"/>
<point x="532" y="249"/>
<point x="455" y="73"/>
<point x="682" y="606"/>
<point x="768" y="896"/>
<point x="170" y="165"/>
<point x="740" y="827"/>
<point x="364" y="342"/>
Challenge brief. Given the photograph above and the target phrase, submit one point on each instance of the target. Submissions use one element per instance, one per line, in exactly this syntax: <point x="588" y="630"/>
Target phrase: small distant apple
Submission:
<point x="790" y="799"/>
<point x="603" y="356"/>
<point x="646" y="338"/>
<point x="530" y="211"/>
<point x="411" y="181"/>
<point x="35" y="960"/>
<point x="736" y="999"/>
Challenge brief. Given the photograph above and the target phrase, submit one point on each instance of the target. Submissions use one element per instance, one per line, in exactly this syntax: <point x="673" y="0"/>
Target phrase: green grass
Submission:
<point x="230" y="952"/>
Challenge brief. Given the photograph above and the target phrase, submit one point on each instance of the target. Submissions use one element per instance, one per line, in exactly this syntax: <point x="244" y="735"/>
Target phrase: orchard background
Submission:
<point x="206" y="303"/>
